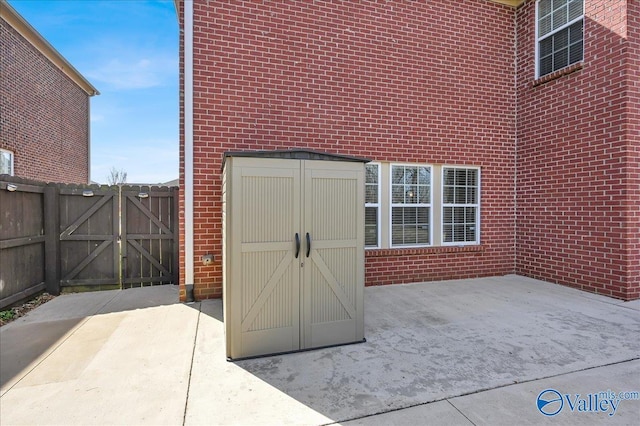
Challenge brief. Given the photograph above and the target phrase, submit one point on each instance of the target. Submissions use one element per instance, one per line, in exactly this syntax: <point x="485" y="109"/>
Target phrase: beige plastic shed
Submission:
<point x="293" y="251"/>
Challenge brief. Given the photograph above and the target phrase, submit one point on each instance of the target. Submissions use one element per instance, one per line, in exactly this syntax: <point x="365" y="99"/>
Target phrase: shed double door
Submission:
<point x="295" y="241"/>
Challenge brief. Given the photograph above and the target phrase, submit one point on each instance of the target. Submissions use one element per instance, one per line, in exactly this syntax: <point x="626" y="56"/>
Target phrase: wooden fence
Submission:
<point x="58" y="237"/>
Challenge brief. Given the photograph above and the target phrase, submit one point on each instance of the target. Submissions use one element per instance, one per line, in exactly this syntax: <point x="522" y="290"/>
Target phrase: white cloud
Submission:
<point x="134" y="73"/>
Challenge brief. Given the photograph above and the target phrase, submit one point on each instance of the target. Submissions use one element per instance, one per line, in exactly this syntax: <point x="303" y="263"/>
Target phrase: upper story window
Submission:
<point x="372" y="206"/>
<point x="410" y="205"/>
<point x="6" y="162"/>
<point x="560" y="34"/>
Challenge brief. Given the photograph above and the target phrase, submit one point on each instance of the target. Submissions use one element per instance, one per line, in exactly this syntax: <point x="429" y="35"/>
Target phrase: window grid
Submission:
<point x="560" y="34"/>
<point x="372" y="206"/>
<point x="460" y="205"/>
<point x="410" y="205"/>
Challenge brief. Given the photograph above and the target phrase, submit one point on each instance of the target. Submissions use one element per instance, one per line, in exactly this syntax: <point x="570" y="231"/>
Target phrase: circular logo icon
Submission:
<point x="550" y="402"/>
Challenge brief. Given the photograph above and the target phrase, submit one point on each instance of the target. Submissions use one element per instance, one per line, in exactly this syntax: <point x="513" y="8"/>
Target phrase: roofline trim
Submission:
<point x="17" y="22"/>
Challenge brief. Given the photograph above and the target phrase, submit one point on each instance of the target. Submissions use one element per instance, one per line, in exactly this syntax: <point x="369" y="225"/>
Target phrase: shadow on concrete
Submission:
<point x="25" y="341"/>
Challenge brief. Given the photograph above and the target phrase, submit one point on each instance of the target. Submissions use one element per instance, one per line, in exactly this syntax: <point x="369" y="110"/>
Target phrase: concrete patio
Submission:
<point x="476" y="351"/>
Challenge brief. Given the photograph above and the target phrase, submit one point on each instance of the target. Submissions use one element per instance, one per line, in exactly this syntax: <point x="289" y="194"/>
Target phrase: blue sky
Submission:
<point x="128" y="50"/>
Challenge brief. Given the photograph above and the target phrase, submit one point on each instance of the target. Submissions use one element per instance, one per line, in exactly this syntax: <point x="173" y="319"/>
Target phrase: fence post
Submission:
<point x="52" y="238"/>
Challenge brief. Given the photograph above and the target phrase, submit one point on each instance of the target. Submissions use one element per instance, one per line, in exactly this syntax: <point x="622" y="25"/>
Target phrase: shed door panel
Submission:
<point x="269" y="202"/>
<point x="334" y="272"/>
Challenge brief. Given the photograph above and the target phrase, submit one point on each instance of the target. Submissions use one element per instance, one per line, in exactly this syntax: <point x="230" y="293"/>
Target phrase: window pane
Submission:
<point x="559" y="17"/>
<point x="544" y="26"/>
<point x="561" y="59"/>
<point x="546" y="65"/>
<point x="561" y="40"/>
<point x="575" y="53"/>
<point x="371" y="173"/>
<point x="371" y="195"/>
<point x="575" y="32"/>
<point x="397" y="194"/>
<point x="472" y="195"/>
<point x="424" y="176"/>
<point x="447" y="215"/>
<point x="424" y="194"/>
<point x="449" y="177"/>
<point x="447" y="194"/>
<point x="546" y="47"/>
<point x="460" y="197"/>
<point x="545" y="7"/>
<point x="5" y="163"/>
<point x="371" y="226"/>
<point x="575" y="9"/>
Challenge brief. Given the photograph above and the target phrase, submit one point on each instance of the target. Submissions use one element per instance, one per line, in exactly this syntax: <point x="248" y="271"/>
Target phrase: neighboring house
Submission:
<point x="504" y="134"/>
<point x="44" y="107"/>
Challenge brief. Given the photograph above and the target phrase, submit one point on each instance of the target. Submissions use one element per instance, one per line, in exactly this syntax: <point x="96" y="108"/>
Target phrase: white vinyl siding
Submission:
<point x="560" y="34"/>
<point x="410" y="205"/>
<point x="372" y="206"/>
<point x="460" y="205"/>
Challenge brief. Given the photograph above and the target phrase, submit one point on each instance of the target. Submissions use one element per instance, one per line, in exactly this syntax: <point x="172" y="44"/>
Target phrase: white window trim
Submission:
<point x="12" y="156"/>
<point x="378" y="204"/>
<point x="537" y="38"/>
<point x="391" y="205"/>
<point x="443" y="205"/>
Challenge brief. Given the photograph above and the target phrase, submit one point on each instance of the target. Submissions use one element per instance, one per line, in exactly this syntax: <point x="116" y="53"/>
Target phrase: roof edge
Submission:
<point x="17" y="22"/>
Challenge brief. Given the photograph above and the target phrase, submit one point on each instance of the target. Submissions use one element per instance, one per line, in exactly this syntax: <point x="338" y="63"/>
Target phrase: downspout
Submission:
<point x="188" y="148"/>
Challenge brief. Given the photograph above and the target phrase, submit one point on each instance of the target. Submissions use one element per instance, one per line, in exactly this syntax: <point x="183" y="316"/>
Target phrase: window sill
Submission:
<point x="557" y="74"/>
<point x="422" y="251"/>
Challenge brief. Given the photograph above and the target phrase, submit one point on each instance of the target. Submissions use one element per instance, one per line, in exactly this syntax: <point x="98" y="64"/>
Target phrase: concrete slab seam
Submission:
<point x="480" y="391"/>
<point x="461" y="413"/>
<point x="193" y="352"/>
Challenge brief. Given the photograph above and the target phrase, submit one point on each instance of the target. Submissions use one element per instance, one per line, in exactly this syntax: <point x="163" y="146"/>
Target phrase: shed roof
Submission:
<point x="295" y="154"/>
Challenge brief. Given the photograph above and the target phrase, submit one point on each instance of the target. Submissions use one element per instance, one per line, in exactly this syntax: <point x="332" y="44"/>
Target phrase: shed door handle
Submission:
<point x="308" y="244"/>
<point x="297" y="245"/>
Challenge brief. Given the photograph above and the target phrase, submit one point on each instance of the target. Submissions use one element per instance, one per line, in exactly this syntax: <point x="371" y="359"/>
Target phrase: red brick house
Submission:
<point x="44" y="107"/>
<point x="504" y="135"/>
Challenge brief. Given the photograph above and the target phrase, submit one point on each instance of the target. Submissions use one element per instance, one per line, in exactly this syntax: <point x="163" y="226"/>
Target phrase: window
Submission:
<point x="460" y="205"/>
<point x="6" y="162"/>
<point x="372" y="206"/>
<point x="410" y="205"/>
<point x="559" y="34"/>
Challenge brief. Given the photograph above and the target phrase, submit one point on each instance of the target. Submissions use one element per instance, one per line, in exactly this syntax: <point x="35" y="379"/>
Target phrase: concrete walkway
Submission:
<point x="463" y="352"/>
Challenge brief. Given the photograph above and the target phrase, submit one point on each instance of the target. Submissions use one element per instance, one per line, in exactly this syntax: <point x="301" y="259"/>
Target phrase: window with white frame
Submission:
<point x="372" y="205"/>
<point x="460" y="205"/>
<point x="410" y="205"/>
<point x="560" y="33"/>
<point x="6" y="162"/>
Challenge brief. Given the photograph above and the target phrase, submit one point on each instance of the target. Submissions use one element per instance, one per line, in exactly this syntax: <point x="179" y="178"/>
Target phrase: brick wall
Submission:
<point x="43" y="114"/>
<point x="577" y="208"/>
<point x="392" y="81"/>
<point x="633" y="160"/>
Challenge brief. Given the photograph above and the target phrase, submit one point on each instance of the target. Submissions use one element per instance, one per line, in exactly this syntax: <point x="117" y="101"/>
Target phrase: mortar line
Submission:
<point x="193" y="353"/>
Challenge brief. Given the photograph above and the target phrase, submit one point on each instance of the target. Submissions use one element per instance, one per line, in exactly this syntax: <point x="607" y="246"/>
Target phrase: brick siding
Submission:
<point x="435" y="83"/>
<point x="393" y="81"/>
<point x="577" y="212"/>
<point x="43" y="114"/>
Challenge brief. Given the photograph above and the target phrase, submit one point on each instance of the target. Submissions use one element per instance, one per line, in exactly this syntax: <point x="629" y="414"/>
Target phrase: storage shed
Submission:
<point x="293" y="251"/>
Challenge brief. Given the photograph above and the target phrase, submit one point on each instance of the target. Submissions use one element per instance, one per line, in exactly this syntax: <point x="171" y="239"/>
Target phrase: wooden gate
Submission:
<point x="149" y="249"/>
<point x="118" y="237"/>
<point x="89" y="252"/>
